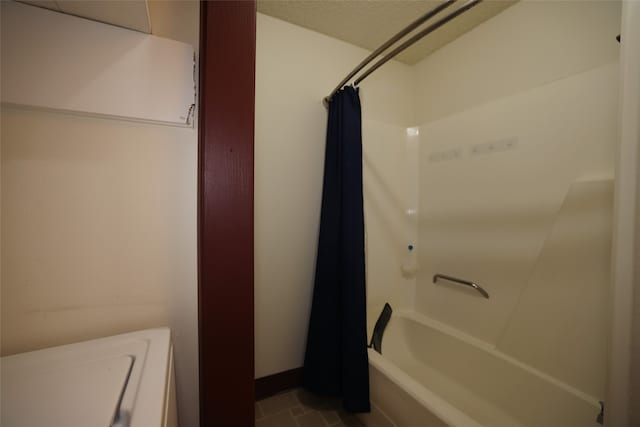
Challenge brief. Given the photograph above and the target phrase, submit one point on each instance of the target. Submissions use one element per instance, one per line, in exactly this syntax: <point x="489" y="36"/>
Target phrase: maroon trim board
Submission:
<point x="277" y="383"/>
<point x="225" y="212"/>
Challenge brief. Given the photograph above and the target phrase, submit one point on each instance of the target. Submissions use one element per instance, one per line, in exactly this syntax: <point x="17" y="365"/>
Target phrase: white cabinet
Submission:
<point x="61" y="62"/>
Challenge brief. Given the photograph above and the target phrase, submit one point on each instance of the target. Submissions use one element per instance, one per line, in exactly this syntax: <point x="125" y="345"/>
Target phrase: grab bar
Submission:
<point x="462" y="282"/>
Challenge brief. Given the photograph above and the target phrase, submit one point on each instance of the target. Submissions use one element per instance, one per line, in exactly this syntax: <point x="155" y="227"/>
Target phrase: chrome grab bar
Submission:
<point x="462" y="282"/>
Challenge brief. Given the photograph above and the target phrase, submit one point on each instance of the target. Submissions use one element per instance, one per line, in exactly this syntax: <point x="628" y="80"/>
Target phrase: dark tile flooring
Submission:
<point x="298" y="408"/>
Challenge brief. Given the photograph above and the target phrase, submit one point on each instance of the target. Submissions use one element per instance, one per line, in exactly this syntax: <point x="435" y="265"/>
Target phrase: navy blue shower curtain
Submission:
<point x="336" y="362"/>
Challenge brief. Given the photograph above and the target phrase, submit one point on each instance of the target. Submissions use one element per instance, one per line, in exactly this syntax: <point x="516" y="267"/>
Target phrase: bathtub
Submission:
<point x="431" y="375"/>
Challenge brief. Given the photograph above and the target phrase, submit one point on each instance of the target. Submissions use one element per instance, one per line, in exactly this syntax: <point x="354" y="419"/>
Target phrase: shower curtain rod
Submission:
<point x="406" y="30"/>
<point x="386" y="45"/>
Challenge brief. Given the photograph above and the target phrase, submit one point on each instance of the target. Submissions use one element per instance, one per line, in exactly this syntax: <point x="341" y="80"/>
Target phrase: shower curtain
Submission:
<point x="336" y="362"/>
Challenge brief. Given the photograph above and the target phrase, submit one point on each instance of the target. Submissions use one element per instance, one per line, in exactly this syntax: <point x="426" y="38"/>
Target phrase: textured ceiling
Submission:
<point x="369" y="23"/>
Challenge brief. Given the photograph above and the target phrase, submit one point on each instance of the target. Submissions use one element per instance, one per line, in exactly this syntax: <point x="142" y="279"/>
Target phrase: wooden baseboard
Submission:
<point x="277" y="383"/>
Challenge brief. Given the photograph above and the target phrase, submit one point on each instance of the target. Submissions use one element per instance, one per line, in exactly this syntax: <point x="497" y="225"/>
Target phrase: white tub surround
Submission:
<point x="433" y="375"/>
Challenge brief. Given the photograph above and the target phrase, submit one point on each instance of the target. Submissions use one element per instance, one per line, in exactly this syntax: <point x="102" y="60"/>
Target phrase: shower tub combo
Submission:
<point x="431" y="375"/>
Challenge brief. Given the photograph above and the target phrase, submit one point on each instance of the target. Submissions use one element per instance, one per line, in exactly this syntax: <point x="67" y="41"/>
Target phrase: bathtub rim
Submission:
<point x="495" y="352"/>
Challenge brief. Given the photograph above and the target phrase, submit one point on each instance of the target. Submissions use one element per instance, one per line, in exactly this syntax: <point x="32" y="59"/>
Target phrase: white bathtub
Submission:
<point x="432" y="375"/>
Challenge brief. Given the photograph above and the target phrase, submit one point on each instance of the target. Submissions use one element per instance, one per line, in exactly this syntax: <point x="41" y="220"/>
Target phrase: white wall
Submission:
<point x="99" y="226"/>
<point x="295" y="69"/>
<point x="180" y="20"/>
<point x="502" y="218"/>
<point x="96" y="226"/>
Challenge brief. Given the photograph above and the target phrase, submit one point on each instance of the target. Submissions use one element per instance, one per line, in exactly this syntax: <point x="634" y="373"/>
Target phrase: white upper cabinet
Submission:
<point x="57" y="61"/>
<point x="132" y="14"/>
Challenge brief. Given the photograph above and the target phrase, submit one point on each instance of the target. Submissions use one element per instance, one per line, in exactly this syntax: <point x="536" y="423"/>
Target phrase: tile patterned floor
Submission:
<point x="298" y="408"/>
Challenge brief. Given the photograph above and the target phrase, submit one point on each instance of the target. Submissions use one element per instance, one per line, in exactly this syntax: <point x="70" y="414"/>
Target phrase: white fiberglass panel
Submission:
<point x="485" y="216"/>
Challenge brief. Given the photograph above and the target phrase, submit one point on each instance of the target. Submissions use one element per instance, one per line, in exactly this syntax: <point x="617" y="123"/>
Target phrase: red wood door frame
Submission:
<point x="225" y="212"/>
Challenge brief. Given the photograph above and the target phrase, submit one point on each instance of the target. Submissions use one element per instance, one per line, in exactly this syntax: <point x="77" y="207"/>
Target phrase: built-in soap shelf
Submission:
<point x="409" y="261"/>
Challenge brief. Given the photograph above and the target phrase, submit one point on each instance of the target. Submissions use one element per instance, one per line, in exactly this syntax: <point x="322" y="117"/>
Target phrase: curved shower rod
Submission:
<point x="386" y="45"/>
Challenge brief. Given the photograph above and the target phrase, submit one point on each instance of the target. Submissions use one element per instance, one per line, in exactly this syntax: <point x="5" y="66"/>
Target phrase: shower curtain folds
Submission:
<point x="336" y="361"/>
